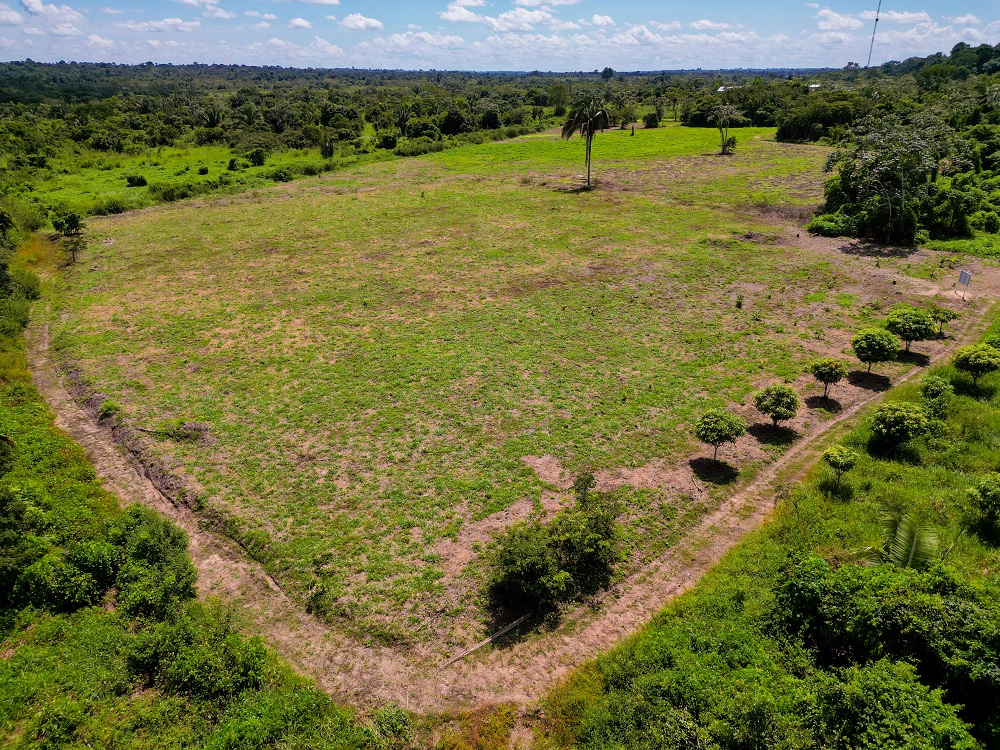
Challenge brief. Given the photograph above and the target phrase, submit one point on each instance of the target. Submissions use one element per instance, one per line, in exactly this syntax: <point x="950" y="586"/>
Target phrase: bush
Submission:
<point x="935" y="393"/>
<point x="832" y="225"/>
<point x="896" y="424"/>
<point x="282" y="174"/>
<point x="985" y="221"/>
<point x="651" y="120"/>
<point x="111" y="205"/>
<point x="203" y="170"/>
<point x="984" y="502"/>
<point x="535" y="567"/>
<point x="779" y="402"/>
<point x="256" y="157"/>
<point x="135" y="180"/>
<point x="26" y="284"/>
<point x="841" y="459"/>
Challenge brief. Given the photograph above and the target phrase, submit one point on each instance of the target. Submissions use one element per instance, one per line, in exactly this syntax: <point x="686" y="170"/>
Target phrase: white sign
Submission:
<point x="964" y="278"/>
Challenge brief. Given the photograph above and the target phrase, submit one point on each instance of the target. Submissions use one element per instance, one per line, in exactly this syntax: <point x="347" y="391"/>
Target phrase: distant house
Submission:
<point x="726" y="88"/>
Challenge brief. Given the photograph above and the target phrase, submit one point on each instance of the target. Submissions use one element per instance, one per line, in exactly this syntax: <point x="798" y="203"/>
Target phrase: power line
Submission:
<point x="874" y="29"/>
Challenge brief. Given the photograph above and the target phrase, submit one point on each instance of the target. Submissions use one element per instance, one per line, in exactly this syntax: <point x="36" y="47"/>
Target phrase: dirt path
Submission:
<point x="362" y="674"/>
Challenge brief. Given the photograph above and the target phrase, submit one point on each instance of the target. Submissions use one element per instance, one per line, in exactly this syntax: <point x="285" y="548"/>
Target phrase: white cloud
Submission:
<point x="665" y="26"/>
<point x="967" y="20"/>
<point x="534" y="3"/>
<point x="317" y="51"/>
<point x="9" y="16"/>
<point x="896" y="16"/>
<point x="458" y="13"/>
<point x="99" y="41"/>
<point x="829" y="20"/>
<point x="258" y="14"/>
<point x="599" y="20"/>
<point x="299" y="23"/>
<point x="358" y="22"/>
<point x="111" y="11"/>
<point x="167" y="24"/>
<point x="46" y="19"/>
<point x="707" y="25"/>
<point x="320" y="2"/>
<point x="832" y="38"/>
<point x="262" y="25"/>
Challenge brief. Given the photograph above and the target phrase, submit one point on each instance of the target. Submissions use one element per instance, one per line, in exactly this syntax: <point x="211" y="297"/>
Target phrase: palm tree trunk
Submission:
<point x="589" y="141"/>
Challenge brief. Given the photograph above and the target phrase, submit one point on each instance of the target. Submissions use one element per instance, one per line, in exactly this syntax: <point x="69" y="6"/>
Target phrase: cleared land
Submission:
<point x="396" y="360"/>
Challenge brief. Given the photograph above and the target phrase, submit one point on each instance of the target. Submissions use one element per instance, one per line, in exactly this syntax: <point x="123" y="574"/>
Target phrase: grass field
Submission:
<point x="376" y="350"/>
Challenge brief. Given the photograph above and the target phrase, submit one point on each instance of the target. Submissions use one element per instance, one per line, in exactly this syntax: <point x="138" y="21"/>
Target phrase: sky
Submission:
<point x="547" y="35"/>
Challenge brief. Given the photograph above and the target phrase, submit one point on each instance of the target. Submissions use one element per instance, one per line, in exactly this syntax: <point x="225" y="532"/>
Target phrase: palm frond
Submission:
<point x="914" y="545"/>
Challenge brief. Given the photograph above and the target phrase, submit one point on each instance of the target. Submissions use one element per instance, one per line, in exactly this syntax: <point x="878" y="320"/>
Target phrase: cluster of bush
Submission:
<point x="535" y="567"/>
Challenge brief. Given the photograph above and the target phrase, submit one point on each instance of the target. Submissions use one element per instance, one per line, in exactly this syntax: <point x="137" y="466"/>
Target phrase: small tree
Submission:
<point x="942" y="316"/>
<point x="875" y="345"/>
<point x="74" y="245"/>
<point x="608" y="73"/>
<point x="910" y="325"/>
<point x="586" y="117"/>
<point x="841" y="459"/>
<point x="724" y="117"/>
<point x="779" y="402"/>
<point x="977" y="360"/>
<point x="68" y="224"/>
<point x="984" y="501"/>
<point x="717" y="427"/>
<point x="898" y="423"/>
<point x="828" y="371"/>
<point x="651" y="120"/>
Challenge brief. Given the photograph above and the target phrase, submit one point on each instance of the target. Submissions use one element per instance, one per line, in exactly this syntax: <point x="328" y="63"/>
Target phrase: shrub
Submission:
<point x="534" y="567"/>
<point x="717" y="427"/>
<point x="26" y="284"/>
<point x="841" y="459"/>
<point x="942" y="316"/>
<point x="651" y="120"/>
<point x="985" y="221"/>
<point x="53" y="583"/>
<point x="203" y="170"/>
<point x="282" y="174"/>
<point x="910" y="325"/>
<point x="779" y="402"/>
<point x="896" y="424"/>
<point x="832" y="225"/>
<point x="984" y="502"/>
<point x="875" y="345"/>
<point x="935" y="392"/>
<point x="977" y="360"/>
<point x="135" y="180"/>
<point x="256" y="157"/>
<point x="828" y="371"/>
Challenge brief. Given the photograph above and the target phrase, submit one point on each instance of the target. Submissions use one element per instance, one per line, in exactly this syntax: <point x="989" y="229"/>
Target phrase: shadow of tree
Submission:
<point x="914" y="358"/>
<point x="980" y="391"/>
<point x="870" y="381"/>
<point x="713" y="471"/>
<point x="869" y="249"/>
<point x="831" y="405"/>
<point x="768" y="434"/>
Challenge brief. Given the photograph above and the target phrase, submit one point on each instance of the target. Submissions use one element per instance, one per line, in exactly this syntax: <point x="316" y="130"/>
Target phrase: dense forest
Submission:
<point x="933" y="123"/>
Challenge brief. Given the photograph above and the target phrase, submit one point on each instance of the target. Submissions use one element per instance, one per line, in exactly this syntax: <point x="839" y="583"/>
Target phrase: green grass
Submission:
<point x="982" y="245"/>
<point x="376" y="350"/>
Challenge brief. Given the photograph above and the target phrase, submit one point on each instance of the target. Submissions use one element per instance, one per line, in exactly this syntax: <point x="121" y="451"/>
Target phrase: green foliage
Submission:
<point x="875" y="345"/>
<point x="897" y="423"/>
<point x="779" y="402"/>
<point x="984" y="504"/>
<point x="136" y="180"/>
<point x="935" y="393"/>
<point x="942" y="316"/>
<point x="977" y="360"/>
<point x="535" y="567"/>
<point x="910" y="325"/>
<point x="841" y="459"/>
<point x="651" y="120"/>
<point x="256" y="157"/>
<point x="828" y="371"/>
<point x="717" y="427"/>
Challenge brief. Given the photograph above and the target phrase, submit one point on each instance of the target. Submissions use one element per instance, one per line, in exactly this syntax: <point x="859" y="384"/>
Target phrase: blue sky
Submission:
<point x="489" y="34"/>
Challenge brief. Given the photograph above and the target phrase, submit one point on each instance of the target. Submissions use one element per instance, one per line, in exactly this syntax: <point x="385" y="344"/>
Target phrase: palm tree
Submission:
<point x="907" y="542"/>
<point x="586" y="117"/>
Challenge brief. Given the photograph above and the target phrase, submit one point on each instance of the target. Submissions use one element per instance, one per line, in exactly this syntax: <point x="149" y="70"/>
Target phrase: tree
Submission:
<point x="68" y="224"/>
<point x="910" y="325"/>
<point x="898" y="423"/>
<point x="841" y="459"/>
<point x="828" y="371"/>
<point x="984" y="500"/>
<point x="942" y="316"/>
<point x="977" y="360"/>
<point x="935" y="392"/>
<point x="718" y="426"/>
<point x="875" y="345"/>
<point x="779" y="402"/>
<point x="608" y="73"/>
<point x="724" y="117"/>
<point x="586" y="118"/>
